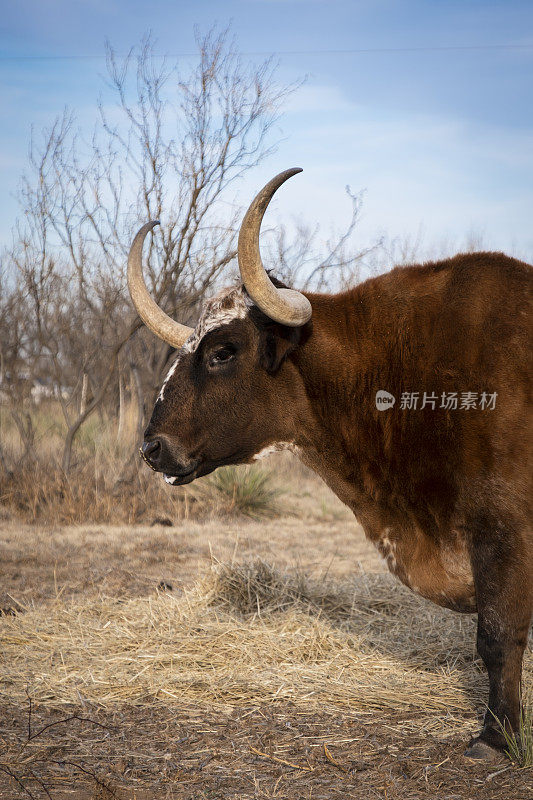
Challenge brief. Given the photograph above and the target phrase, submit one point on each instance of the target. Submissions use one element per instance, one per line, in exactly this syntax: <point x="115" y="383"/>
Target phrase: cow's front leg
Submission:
<point x="503" y="581"/>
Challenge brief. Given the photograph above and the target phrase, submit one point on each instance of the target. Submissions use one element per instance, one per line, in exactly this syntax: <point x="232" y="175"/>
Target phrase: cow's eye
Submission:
<point x="221" y="356"/>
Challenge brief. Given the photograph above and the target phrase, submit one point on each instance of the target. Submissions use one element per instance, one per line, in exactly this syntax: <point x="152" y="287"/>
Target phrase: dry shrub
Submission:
<point x="247" y="490"/>
<point x="41" y="492"/>
<point x="106" y="484"/>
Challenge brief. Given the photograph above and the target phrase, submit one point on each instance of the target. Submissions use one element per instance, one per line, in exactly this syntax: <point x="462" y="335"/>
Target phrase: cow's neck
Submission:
<point x="334" y="367"/>
<point x="345" y="361"/>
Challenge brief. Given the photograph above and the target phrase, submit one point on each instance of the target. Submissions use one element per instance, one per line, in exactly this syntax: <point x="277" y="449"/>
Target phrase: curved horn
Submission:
<point x="154" y="317"/>
<point x="282" y="305"/>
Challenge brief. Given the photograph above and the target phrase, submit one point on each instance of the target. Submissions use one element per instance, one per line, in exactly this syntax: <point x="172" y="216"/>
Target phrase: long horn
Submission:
<point x="282" y="305"/>
<point x="154" y="317"/>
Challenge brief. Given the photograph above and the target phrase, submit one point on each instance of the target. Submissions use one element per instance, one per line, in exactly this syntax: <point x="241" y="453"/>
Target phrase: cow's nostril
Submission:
<point x="151" y="451"/>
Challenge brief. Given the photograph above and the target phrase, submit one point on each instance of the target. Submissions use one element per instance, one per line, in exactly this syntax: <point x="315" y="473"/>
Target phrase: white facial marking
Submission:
<point x="170" y="479"/>
<point x="227" y="305"/>
<point x="170" y="373"/>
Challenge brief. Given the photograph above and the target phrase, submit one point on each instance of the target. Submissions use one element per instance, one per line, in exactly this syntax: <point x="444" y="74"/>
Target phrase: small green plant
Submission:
<point x="248" y="490"/>
<point x="520" y="744"/>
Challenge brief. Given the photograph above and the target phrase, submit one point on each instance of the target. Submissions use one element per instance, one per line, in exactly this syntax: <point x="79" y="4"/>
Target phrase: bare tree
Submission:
<point x="299" y="258"/>
<point x="170" y="150"/>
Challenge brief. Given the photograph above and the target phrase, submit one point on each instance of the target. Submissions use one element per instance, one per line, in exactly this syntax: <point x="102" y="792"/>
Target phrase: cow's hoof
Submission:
<point x="478" y="750"/>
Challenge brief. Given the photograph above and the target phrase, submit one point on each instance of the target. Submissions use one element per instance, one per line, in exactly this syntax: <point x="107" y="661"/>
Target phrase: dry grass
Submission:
<point x="107" y="483"/>
<point x="329" y="677"/>
<point x="248" y="634"/>
<point x="257" y="680"/>
<point x="520" y="743"/>
<point x="42" y="493"/>
<point x="257" y="587"/>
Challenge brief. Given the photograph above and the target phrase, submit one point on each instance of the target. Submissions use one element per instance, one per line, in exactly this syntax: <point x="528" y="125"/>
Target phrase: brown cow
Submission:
<point x="410" y="395"/>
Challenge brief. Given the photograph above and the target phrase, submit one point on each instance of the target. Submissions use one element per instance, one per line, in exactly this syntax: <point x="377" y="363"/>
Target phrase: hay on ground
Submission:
<point x="248" y="633"/>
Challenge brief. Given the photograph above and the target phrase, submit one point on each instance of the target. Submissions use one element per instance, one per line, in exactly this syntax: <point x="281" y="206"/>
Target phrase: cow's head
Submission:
<point x="231" y="391"/>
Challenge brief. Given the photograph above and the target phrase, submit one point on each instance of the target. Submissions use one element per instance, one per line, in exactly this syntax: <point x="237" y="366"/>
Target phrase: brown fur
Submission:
<point x="446" y="495"/>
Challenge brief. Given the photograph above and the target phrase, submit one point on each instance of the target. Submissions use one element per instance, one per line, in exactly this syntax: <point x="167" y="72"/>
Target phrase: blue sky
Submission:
<point x="433" y="123"/>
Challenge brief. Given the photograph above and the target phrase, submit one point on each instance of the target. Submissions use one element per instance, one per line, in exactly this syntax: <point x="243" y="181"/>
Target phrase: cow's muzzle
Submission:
<point x="161" y="457"/>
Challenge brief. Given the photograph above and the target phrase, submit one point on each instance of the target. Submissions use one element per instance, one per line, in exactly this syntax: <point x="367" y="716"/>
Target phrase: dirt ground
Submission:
<point x="234" y="748"/>
<point x="256" y="752"/>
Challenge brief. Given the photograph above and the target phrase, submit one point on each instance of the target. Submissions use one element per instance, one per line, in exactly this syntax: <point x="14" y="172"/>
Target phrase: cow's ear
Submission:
<point x="277" y="342"/>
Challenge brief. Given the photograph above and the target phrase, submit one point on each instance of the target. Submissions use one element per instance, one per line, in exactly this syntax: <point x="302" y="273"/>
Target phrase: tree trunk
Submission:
<point x="84" y="393"/>
<point x="95" y="402"/>
<point x="121" y="405"/>
<point x="136" y="382"/>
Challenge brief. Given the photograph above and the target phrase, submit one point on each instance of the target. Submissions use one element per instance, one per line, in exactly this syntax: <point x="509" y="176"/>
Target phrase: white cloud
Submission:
<point x="450" y="175"/>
